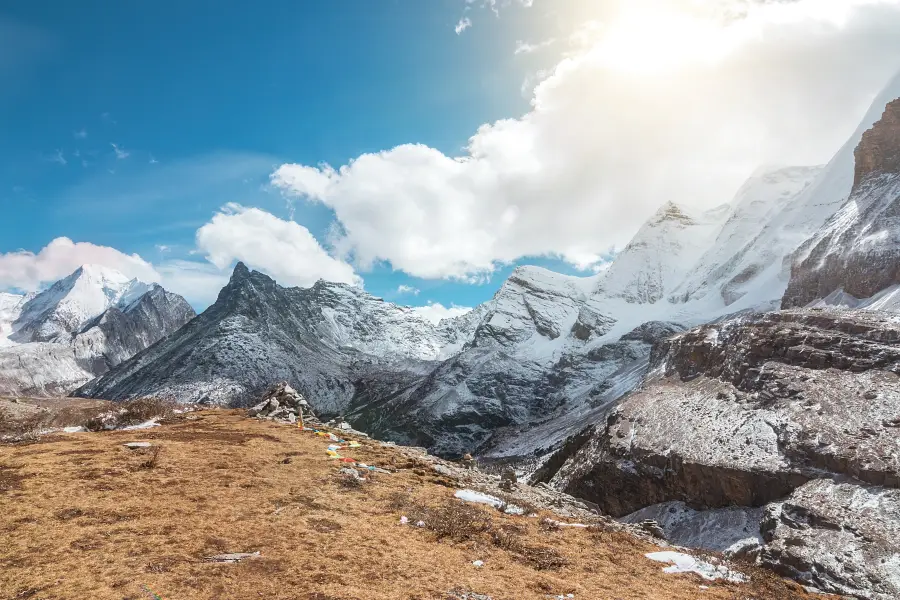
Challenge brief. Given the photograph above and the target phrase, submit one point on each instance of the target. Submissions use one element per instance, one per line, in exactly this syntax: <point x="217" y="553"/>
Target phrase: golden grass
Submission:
<point x="85" y="518"/>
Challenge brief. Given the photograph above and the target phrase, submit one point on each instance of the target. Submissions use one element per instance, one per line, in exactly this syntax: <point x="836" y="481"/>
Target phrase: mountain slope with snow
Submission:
<point x="659" y="255"/>
<point x="80" y="327"/>
<point x="754" y="238"/>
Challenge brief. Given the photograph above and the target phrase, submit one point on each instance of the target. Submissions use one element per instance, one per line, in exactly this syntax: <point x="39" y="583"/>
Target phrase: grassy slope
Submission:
<point x="84" y="517"/>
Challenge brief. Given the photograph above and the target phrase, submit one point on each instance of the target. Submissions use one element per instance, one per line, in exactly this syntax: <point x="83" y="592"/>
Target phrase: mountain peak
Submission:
<point x="99" y="273"/>
<point x="672" y="212"/>
<point x="240" y="272"/>
<point x="878" y="151"/>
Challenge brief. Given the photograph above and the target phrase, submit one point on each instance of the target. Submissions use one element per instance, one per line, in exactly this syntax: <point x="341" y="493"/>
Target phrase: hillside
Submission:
<point x="86" y="517"/>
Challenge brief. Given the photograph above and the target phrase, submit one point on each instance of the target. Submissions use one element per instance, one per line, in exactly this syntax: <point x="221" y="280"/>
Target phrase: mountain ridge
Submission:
<point x="80" y="327"/>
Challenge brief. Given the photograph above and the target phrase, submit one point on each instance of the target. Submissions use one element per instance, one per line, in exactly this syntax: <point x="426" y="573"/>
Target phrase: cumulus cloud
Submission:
<point x="284" y="249"/>
<point x="462" y="25"/>
<point x="660" y="102"/>
<point x="29" y="271"/>
<point x="436" y="312"/>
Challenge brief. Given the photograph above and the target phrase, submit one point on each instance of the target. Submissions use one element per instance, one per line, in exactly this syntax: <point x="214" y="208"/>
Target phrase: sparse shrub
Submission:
<point x="351" y="482"/>
<point x="540" y="558"/>
<point x="398" y="501"/>
<point x="27" y="427"/>
<point x="94" y="424"/>
<point x="152" y="458"/>
<point x="455" y="520"/>
<point x="507" y="537"/>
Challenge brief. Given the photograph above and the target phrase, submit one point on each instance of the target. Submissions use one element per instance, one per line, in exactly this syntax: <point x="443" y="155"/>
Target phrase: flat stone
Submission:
<point x="136" y="445"/>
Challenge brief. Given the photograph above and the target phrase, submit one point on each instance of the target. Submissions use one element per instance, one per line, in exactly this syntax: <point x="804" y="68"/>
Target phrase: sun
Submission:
<point x="648" y="37"/>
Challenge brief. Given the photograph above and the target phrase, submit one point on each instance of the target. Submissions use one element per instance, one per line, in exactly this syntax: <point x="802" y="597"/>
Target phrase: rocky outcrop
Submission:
<point x="878" y="152"/>
<point x="745" y="411"/>
<point x="755" y="411"/>
<point x="842" y="538"/>
<point x="857" y="251"/>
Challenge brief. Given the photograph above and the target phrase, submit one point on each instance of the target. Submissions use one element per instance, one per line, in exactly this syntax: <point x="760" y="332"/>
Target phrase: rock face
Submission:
<point x="878" y="152"/>
<point x="79" y="328"/>
<point x="841" y="537"/>
<point x="754" y="411"/>
<point x="857" y="252"/>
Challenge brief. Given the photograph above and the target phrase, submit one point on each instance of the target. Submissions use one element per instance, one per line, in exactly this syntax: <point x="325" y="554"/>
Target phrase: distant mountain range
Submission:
<point x="54" y="341"/>
<point x="524" y="370"/>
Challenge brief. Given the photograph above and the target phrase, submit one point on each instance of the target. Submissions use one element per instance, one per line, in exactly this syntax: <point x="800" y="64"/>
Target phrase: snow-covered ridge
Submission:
<point x="661" y="252"/>
<point x="58" y="313"/>
<point x="55" y="340"/>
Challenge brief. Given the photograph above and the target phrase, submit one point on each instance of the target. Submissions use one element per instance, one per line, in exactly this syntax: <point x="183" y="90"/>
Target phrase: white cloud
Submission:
<point x="284" y="249"/>
<point x="198" y="282"/>
<point x="435" y="311"/>
<point x="462" y="25"/>
<point x="527" y="48"/>
<point x="408" y="289"/>
<point x="80" y="134"/>
<point x="661" y="102"/>
<point x="29" y="271"/>
<point x="121" y="154"/>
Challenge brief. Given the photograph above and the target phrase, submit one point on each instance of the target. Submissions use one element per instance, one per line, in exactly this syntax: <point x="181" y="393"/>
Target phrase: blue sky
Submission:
<point x="129" y="124"/>
<point x="132" y="127"/>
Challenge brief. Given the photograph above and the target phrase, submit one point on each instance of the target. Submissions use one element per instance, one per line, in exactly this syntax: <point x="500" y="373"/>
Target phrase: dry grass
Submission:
<point x="82" y="519"/>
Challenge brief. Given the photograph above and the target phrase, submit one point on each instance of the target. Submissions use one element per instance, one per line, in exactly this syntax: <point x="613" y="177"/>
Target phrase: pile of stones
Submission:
<point x="283" y="403"/>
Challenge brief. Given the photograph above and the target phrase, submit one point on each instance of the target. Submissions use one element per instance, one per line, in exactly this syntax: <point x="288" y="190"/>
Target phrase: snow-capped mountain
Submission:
<point x="754" y="239"/>
<point x="258" y="332"/>
<point x="520" y="372"/>
<point x="659" y="255"/>
<point x="78" y="328"/>
<point x="60" y="312"/>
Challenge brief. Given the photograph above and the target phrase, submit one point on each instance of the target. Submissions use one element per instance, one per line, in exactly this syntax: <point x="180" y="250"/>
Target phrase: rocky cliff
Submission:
<point x="857" y="251"/>
<point x="754" y="412"/>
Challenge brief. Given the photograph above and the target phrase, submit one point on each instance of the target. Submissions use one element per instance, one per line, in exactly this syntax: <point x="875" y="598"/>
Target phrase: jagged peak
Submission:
<point x="240" y="272"/>
<point x="670" y="211"/>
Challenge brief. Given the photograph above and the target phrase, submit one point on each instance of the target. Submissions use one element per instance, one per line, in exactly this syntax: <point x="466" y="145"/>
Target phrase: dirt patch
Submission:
<point x="11" y="477"/>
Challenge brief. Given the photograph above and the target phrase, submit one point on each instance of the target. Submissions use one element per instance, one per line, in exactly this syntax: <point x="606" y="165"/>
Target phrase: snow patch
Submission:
<point x="685" y="563"/>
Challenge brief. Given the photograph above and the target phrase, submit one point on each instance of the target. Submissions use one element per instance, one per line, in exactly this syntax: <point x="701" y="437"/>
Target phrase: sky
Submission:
<point x="419" y="148"/>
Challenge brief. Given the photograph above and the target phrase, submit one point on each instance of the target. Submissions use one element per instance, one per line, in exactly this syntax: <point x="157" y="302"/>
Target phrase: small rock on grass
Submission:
<point x="232" y="558"/>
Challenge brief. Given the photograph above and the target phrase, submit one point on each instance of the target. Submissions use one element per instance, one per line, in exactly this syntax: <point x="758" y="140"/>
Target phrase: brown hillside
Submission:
<point x="83" y="517"/>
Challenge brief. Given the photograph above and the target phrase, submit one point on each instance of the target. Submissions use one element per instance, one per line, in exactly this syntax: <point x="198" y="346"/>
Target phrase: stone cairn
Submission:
<point x="283" y="403"/>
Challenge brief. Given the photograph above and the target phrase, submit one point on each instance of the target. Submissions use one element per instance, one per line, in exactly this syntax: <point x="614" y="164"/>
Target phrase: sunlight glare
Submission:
<point x="653" y="37"/>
